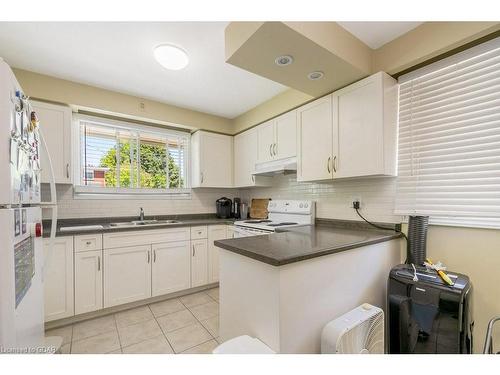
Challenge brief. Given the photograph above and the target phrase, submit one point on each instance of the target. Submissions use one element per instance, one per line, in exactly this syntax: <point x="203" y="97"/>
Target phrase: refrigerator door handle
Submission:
<point x="52" y="205"/>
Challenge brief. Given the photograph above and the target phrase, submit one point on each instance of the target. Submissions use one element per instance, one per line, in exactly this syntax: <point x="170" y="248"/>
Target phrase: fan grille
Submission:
<point x="366" y="337"/>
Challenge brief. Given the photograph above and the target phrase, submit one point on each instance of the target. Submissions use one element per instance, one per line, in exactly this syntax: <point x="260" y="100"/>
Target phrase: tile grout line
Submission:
<point x="118" y="333"/>
<point x="161" y="329"/>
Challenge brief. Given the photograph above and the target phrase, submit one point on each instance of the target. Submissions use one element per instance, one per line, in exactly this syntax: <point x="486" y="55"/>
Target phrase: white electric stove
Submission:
<point x="282" y="214"/>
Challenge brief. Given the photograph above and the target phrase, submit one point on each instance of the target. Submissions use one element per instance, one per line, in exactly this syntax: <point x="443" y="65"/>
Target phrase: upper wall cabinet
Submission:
<point x="350" y="133"/>
<point x="245" y="157"/>
<point x="315" y="134"/>
<point x="365" y="125"/>
<point x="211" y="160"/>
<point x="55" y="124"/>
<point x="277" y="138"/>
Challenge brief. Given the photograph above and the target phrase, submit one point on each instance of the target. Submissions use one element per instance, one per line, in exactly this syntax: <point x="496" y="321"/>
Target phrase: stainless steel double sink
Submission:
<point x="134" y="223"/>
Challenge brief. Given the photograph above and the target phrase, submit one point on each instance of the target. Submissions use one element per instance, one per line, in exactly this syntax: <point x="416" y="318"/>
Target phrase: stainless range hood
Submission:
<point x="276" y="167"/>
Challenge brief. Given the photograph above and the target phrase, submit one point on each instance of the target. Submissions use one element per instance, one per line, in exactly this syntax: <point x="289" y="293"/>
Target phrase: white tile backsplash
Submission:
<point x="201" y="201"/>
<point x="333" y="199"/>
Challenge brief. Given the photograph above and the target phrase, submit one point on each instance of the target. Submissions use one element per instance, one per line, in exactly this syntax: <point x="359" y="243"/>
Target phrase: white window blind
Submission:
<point x="449" y="139"/>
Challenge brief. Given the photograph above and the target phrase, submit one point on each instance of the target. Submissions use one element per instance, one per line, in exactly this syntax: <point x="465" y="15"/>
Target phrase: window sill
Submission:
<point x="90" y="192"/>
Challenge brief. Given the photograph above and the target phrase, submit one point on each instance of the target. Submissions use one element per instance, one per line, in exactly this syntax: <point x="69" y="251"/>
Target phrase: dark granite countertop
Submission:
<point x="184" y="221"/>
<point x="301" y="243"/>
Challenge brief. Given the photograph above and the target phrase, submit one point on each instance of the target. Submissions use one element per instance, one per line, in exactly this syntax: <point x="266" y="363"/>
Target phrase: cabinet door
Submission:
<point x="215" y="160"/>
<point x="265" y="135"/>
<point x="171" y="267"/>
<point x="88" y="281"/>
<point x="315" y="135"/>
<point x="127" y="274"/>
<point x="245" y="157"/>
<point x="215" y="232"/>
<point x="58" y="279"/>
<point x="199" y="263"/>
<point x="358" y="122"/>
<point x="55" y="124"/>
<point x="286" y="135"/>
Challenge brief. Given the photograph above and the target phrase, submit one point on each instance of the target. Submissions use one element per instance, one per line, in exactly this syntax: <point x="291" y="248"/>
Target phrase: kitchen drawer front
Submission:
<point x="199" y="232"/>
<point x="145" y="237"/>
<point x="88" y="242"/>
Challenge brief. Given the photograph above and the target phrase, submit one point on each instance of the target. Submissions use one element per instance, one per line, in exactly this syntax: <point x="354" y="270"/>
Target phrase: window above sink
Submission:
<point x="121" y="159"/>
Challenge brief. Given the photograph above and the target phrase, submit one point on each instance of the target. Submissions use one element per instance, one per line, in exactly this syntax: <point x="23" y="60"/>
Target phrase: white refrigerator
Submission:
<point x="21" y="249"/>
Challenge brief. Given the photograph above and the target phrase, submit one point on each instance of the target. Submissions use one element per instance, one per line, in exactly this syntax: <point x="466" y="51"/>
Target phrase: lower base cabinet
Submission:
<point x="127" y="276"/>
<point x="58" y="279"/>
<point x="199" y="263"/>
<point x="215" y="232"/>
<point x="171" y="269"/>
<point x="88" y="281"/>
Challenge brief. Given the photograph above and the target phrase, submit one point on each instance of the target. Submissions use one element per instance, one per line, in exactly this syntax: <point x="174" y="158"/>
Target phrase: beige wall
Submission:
<point x="62" y="91"/>
<point x="427" y="41"/>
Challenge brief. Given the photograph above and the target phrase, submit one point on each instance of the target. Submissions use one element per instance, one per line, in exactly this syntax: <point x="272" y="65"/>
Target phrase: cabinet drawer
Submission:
<point x="198" y="232"/>
<point x="145" y="237"/>
<point x="88" y="242"/>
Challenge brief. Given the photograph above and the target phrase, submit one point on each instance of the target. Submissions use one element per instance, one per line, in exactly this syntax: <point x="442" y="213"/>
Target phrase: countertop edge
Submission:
<point x="278" y="263"/>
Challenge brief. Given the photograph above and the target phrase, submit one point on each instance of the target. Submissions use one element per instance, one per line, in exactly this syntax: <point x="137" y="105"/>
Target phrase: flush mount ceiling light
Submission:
<point x="314" y="76"/>
<point x="283" y="60"/>
<point x="171" y="57"/>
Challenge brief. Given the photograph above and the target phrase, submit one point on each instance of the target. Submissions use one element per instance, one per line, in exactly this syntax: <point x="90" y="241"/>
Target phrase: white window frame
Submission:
<point x="487" y="221"/>
<point x="95" y="192"/>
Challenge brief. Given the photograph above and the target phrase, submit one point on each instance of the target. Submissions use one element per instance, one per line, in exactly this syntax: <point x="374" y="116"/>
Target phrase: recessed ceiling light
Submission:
<point x="313" y="76"/>
<point x="283" y="60"/>
<point x="171" y="57"/>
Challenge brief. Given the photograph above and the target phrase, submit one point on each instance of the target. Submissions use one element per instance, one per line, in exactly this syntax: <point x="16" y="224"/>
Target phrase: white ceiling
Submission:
<point x="376" y="34"/>
<point x="119" y="57"/>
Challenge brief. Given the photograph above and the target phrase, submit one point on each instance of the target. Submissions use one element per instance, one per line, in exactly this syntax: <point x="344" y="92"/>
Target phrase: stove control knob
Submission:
<point x="306" y="205"/>
<point x="301" y="205"/>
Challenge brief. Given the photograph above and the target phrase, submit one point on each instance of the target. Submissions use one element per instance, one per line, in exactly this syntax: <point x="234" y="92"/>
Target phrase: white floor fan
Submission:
<point x="360" y="331"/>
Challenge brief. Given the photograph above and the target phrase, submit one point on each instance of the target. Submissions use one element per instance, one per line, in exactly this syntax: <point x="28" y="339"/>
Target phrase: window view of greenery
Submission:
<point x="142" y="160"/>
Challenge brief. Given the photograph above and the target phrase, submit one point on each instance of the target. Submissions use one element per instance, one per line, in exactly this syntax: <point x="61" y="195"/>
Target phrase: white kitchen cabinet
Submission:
<point x="211" y="160"/>
<point x="88" y="281"/>
<point x="171" y="267"/>
<point x="315" y="134"/>
<point x="265" y="133"/>
<point x="215" y="232"/>
<point x="246" y="150"/>
<point x="365" y="126"/>
<point x="350" y="133"/>
<point x="55" y="124"/>
<point x="58" y="279"/>
<point x="199" y="263"/>
<point x="127" y="274"/>
<point x="277" y="138"/>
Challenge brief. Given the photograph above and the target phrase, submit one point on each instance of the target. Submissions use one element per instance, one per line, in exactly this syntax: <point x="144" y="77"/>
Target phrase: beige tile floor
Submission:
<point x="189" y="324"/>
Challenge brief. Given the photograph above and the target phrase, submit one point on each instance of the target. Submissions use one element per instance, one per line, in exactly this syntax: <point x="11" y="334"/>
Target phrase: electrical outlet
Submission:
<point x="355" y="198"/>
<point x="142" y="107"/>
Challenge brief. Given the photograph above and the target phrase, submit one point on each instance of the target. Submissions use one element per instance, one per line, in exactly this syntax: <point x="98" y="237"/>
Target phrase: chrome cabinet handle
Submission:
<point x="154" y="256"/>
<point x="67" y="170"/>
<point x="253" y="178"/>
<point x="201" y="174"/>
<point x="271" y="150"/>
<point x="149" y="257"/>
<point x="335" y="164"/>
<point x="99" y="263"/>
<point x="274" y="149"/>
<point x="194" y="251"/>
<point x="328" y="164"/>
